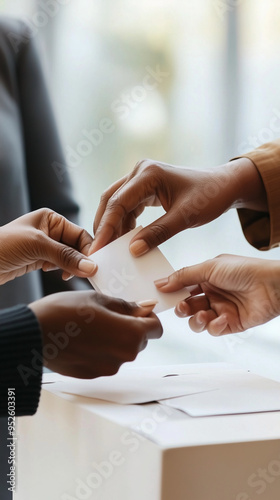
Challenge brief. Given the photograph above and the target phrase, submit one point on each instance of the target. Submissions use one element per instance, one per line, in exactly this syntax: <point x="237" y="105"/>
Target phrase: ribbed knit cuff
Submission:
<point x="21" y="361"/>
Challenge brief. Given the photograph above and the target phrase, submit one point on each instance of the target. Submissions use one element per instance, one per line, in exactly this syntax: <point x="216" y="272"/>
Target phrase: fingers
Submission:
<point x="208" y="320"/>
<point x="145" y="307"/>
<point x="104" y="200"/>
<point x="71" y="261"/>
<point x="138" y="316"/>
<point x="191" y="306"/>
<point x="108" y="333"/>
<point x="128" y="196"/>
<point x="62" y="230"/>
<point x="156" y="233"/>
<point x="202" y="316"/>
<point x="62" y="244"/>
<point x="120" y="306"/>
<point x="201" y="320"/>
<point x="153" y="327"/>
<point x="118" y="207"/>
<point x="145" y="328"/>
<point x="187" y="276"/>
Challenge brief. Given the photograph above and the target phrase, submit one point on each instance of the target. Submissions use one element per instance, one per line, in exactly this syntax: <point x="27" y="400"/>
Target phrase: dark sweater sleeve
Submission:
<point x="20" y="359"/>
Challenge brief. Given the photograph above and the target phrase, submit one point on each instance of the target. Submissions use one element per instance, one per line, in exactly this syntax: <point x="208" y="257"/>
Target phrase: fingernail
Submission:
<point x="161" y="282"/>
<point x="68" y="277"/>
<point x="148" y="303"/>
<point x="180" y="309"/>
<point x="87" y="266"/>
<point x="200" y="321"/>
<point x="138" y="248"/>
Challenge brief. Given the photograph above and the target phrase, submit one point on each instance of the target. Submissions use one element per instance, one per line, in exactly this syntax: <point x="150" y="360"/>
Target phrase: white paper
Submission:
<point x="230" y="393"/>
<point x="131" y="389"/>
<point x="122" y="275"/>
<point x="201" y="389"/>
<point x="143" y="385"/>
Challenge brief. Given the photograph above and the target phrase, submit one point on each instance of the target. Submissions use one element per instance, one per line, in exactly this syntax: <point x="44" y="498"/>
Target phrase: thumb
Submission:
<point x="120" y="306"/>
<point x="156" y="233"/>
<point x="66" y="258"/>
<point x="187" y="276"/>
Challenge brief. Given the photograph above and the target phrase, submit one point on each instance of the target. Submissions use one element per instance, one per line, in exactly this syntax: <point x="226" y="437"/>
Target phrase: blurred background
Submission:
<point x="214" y="78"/>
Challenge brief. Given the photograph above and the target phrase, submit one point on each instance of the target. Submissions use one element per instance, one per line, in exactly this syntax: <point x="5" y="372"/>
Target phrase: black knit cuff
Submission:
<point x="21" y="362"/>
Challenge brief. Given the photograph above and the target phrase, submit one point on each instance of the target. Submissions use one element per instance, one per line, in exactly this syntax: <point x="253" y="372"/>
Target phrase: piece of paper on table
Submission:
<point x="122" y="275"/>
<point x="231" y="393"/>
<point x="201" y="389"/>
<point x="133" y="386"/>
<point x="146" y="384"/>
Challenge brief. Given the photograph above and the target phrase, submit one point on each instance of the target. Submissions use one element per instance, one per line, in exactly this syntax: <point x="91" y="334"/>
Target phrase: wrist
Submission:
<point x="246" y="188"/>
<point x="275" y="285"/>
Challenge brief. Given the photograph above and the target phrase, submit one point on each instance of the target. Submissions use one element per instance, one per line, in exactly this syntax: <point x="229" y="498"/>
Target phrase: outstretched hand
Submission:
<point x="189" y="197"/>
<point x="44" y="240"/>
<point x="229" y="293"/>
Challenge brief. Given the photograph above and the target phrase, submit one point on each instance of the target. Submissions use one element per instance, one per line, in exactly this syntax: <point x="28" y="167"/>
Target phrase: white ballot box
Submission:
<point x="79" y="448"/>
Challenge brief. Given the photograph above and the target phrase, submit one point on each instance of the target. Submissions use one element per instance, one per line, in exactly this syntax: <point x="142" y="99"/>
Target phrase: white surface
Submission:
<point x="135" y="386"/>
<point x="204" y="389"/>
<point x="122" y="275"/>
<point x="71" y="446"/>
<point x="231" y="393"/>
<point x="171" y="428"/>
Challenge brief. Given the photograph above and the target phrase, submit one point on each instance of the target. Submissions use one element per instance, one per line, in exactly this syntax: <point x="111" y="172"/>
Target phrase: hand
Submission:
<point x="91" y="334"/>
<point x="189" y="197"/>
<point x="229" y="294"/>
<point x="44" y="240"/>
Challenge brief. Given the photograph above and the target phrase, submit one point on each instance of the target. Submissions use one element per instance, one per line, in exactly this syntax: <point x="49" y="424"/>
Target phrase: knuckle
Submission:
<point x="152" y="170"/>
<point x="120" y="306"/>
<point x="222" y="256"/>
<point x="68" y="256"/>
<point x="149" y="169"/>
<point x="112" y="368"/>
<point x="116" y="206"/>
<point x="128" y="307"/>
<point x="180" y="275"/>
<point x="104" y="197"/>
<point x="44" y="215"/>
<point x="131" y="355"/>
<point x="140" y="164"/>
<point x="43" y="211"/>
<point x="158" y="234"/>
<point x="55" y="220"/>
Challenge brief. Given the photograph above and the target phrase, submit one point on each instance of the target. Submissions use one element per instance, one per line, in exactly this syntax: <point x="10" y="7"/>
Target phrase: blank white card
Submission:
<point x="122" y="275"/>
